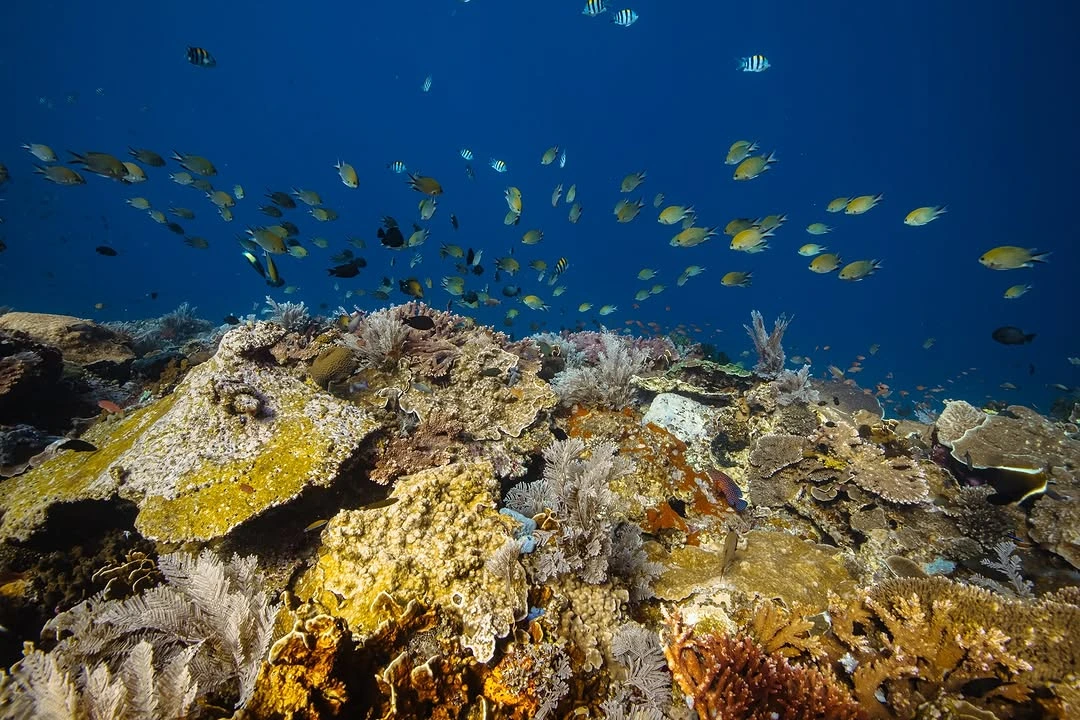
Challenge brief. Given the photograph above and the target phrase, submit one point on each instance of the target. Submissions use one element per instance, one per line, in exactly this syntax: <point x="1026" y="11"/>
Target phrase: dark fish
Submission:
<point x="511" y="291"/>
<point x="231" y="320"/>
<point x="412" y="287"/>
<point x="105" y="250"/>
<point x="469" y="172"/>
<point x="420" y="322"/>
<point x="1009" y="335"/>
<point x="349" y="269"/>
<point x="453" y="220"/>
<point x="291" y="228"/>
<point x="391" y="237"/>
<point x="272" y="210"/>
<point x="281" y="199"/>
<point x="147" y="157"/>
<point x="201" y="57"/>
<point x="153" y="295"/>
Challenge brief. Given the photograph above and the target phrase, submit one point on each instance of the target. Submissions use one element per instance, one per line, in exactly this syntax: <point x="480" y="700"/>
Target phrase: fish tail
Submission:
<point x="1039" y="257"/>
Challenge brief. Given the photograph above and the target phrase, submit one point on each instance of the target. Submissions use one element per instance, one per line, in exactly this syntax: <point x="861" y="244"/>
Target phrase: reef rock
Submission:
<point x="682" y="417"/>
<point x="239" y="435"/>
<point x="429" y="547"/>
<point x="700" y="379"/>
<point x="28" y="372"/>
<point x="82" y="342"/>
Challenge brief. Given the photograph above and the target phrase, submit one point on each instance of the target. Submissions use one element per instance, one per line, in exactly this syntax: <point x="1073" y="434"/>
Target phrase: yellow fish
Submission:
<point x="811" y="249"/>
<point x="753" y="166"/>
<point x="737" y="225"/>
<point x="627" y="210"/>
<point x="608" y="309"/>
<point x="837" y="205"/>
<point x="859" y="269"/>
<point x="646" y="274"/>
<point x="751" y="240"/>
<point x="770" y="222"/>
<point x="571" y="194"/>
<point x="555" y="195"/>
<point x="534" y="303"/>
<point x="575" y="210"/>
<point x="513" y="199"/>
<point x="1011" y="257"/>
<point x="631" y="181"/>
<point x="673" y="214"/>
<point x="818" y="228"/>
<point x="736" y="279"/>
<point x="825" y="263"/>
<point x="1016" y="291"/>
<point x="920" y="216"/>
<point x="859" y="205"/>
<point x="739" y="151"/>
<point x="549" y="155"/>
<point x="692" y="236"/>
<point x="584" y="307"/>
<point x="532" y="237"/>
<point x="347" y="173"/>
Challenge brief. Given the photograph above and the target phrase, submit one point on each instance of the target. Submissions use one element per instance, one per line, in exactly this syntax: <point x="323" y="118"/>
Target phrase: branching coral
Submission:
<point x="915" y="639"/>
<point x="769" y="350"/>
<point x="732" y="678"/>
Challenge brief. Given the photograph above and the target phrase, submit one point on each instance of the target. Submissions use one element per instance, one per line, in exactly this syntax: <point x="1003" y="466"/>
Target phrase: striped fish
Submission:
<point x="201" y="57"/>
<point x="466" y="154"/>
<point x="594" y="8"/>
<point x="560" y="268"/>
<point x="498" y="165"/>
<point x="397" y="166"/>
<point x="626" y="17"/>
<point x="754" y="63"/>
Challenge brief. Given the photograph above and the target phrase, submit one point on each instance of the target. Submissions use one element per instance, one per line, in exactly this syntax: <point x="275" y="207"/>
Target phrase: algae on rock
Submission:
<point x="430" y="547"/>
<point x="238" y="436"/>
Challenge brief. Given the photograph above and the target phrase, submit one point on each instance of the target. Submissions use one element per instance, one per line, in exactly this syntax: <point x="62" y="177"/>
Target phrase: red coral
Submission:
<point x="731" y="678"/>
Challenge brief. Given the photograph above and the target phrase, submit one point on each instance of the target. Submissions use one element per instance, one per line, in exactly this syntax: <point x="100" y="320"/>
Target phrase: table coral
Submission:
<point x="236" y="437"/>
<point x="430" y="546"/>
<point x="82" y="342"/>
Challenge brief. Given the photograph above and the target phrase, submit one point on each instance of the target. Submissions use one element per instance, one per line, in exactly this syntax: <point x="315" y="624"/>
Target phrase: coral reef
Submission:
<point x="605" y="383"/>
<point x="82" y="342"/>
<point x="263" y="436"/>
<point x="732" y="678"/>
<point x="430" y="546"/>
<point x="289" y="315"/>
<point x="914" y="640"/>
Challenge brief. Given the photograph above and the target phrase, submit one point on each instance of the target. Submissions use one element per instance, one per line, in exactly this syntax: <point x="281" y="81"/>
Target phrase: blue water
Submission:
<point x="930" y="103"/>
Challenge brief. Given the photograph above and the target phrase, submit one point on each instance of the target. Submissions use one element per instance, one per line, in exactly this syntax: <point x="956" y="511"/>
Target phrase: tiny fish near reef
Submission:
<point x="730" y="490"/>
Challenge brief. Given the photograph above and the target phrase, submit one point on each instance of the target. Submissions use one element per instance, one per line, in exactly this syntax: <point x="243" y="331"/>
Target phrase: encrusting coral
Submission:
<point x="262" y="437"/>
<point x="430" y="546"/>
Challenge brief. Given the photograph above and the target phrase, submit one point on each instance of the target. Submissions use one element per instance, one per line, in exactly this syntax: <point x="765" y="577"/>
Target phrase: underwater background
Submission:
<point x="958" y="104"/>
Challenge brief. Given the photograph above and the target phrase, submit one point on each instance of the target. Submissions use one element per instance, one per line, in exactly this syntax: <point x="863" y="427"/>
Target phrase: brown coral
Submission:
<point x="918" y="638"/>
<point x="333" y="364"/>
<point x="898" y="480"/>
<point x="732" y="678"/>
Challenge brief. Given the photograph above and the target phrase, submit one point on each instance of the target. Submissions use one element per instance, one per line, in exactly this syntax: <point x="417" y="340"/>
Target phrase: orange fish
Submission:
<point x="110" y="407"/>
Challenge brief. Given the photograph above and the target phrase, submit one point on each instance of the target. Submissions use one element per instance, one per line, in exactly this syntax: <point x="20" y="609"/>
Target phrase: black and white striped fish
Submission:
<point x="754" y="63"/>
<point x="560" y="268"/>
<point x="594" y="8"/>
<point x="626" y="17"/>
<point x="201" y="57"/>
<point x="498" y="165"/>
<point x="466" y="154"/>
